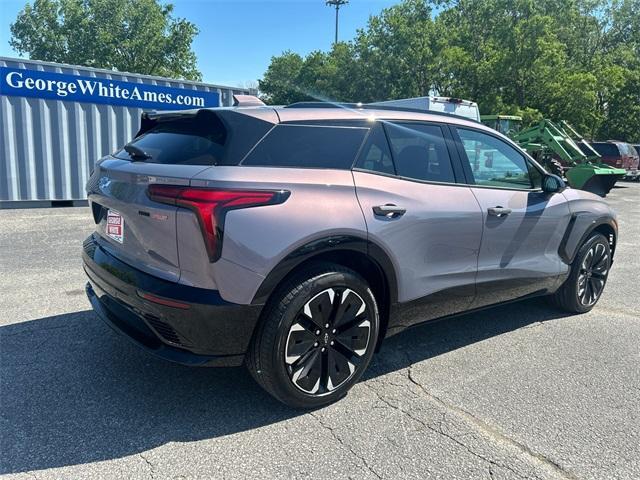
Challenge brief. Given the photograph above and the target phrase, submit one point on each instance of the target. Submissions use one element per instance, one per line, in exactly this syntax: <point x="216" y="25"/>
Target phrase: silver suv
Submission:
<point x="295" y="239"/>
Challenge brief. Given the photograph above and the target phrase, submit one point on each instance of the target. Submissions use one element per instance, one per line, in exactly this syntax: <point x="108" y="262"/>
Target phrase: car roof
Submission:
<point x="289" y="115"/>
<point x="338" y="112"/>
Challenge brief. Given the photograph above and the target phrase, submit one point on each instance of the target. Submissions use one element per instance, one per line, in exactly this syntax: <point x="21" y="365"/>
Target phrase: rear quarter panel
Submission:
<point x="322" y="203"/>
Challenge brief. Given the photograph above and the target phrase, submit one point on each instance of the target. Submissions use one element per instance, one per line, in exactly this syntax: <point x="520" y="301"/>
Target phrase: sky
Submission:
<point x="238" y="37"/>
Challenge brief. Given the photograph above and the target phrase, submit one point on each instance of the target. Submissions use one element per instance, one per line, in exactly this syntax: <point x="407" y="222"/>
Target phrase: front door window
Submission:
<point x="495" y="163"/>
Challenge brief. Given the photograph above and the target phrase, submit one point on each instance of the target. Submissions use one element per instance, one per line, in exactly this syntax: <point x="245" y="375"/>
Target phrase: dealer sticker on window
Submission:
<point x="115" y="226"/>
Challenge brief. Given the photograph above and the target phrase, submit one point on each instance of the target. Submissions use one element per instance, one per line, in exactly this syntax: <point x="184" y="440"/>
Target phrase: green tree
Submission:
<point x="394" y="53"/>
<point x="324" y="76"/>
<point x="575" y="60"/>
<point x="624" y="111"/>
<point x="280" y="85"/>
<point x="139" y="36"/>
<point x="565" y="60"/>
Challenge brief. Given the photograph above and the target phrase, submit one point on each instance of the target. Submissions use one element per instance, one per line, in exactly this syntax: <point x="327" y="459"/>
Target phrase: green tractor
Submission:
<point x="561" y="150"/>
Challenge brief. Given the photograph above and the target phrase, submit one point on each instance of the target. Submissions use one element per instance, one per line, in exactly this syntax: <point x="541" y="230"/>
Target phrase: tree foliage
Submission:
<point x="575" y="60"/>
<point x="139" y="36"/>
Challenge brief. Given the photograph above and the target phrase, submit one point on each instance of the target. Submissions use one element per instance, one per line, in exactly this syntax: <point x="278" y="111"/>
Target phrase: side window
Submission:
<point x="420" y="152"/>
<point x="495" y="163"/>
<point x="606" y="149"/>
<point x="375" y="155"/>
<point x="308" y="147"/>
<point x="624" y="148"/>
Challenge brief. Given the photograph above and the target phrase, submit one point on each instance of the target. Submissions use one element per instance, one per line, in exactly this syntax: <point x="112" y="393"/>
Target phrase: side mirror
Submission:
<point x="552" y="184"/>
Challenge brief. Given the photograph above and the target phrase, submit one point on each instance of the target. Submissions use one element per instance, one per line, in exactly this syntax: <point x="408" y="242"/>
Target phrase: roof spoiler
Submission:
<point x="247" y="101"/>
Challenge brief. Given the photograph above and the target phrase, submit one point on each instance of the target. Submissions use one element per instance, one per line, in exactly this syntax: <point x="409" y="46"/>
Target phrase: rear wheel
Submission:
<point x="316" y="338"/>
<point x="588" y="276"/>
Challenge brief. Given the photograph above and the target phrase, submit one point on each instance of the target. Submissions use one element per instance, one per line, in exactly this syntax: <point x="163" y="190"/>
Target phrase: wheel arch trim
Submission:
<point x="329" y="244"/>
<point x="580" y="227"/>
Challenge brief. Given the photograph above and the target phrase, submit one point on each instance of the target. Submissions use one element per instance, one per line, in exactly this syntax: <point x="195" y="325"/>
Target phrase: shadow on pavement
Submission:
<point x="73" y="392"/>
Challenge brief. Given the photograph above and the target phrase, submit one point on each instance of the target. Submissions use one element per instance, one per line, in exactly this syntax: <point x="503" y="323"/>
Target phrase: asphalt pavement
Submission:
<point x="518" y="391"/>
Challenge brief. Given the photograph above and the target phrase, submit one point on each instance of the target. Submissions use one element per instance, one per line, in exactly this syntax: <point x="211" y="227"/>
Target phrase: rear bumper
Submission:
<point x="201" y="329"/>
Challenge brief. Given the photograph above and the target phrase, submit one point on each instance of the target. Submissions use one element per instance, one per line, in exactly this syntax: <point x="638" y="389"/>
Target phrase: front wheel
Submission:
<point x="587" y="278"/>
<point x="316" y="337"/>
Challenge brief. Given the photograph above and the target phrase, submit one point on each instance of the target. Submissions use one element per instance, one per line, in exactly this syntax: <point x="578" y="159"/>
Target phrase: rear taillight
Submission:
<point x="211" y="205"/>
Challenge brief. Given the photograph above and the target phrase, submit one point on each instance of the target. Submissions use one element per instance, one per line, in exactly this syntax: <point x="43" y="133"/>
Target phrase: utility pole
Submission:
<point x="337" y="4"/>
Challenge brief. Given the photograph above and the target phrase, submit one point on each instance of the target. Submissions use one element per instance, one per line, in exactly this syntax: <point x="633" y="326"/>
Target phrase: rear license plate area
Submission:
<point x="114" y="227"/>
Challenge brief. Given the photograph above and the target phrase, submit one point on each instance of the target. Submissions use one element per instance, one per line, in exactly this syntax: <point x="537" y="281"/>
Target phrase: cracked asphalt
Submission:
<point x="519" y="391"/>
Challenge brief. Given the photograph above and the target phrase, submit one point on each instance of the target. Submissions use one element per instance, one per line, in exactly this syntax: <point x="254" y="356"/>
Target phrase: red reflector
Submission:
<point x="211" y="206"/>
<point x="163" y="301"/>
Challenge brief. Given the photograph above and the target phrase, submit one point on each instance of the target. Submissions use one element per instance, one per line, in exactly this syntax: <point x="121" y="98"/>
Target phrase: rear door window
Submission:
<point x="306" y="146"/>
<point x="193" y="140"/>
<point x="420" y="152"/>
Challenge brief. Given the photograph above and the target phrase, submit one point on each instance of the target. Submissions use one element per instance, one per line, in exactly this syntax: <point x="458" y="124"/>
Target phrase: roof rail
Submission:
<point x="372" y="106"/>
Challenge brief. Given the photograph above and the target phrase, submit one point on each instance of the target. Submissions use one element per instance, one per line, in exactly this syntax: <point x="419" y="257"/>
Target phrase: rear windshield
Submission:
<point x="606" y="149"/>
<point x="625" y="149"/>
<point x="194" y="140"/>
<point x="308" y="147"/>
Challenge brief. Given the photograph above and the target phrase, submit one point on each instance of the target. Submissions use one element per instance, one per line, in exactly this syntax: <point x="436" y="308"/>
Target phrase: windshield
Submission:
<point x="508" y="126"/>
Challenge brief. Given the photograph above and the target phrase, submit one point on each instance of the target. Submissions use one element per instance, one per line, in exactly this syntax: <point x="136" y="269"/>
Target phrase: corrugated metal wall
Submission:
<point x="47" y="147"/>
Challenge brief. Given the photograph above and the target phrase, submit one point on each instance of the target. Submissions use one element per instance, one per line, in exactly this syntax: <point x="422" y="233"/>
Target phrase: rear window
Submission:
<point x="606" y="149"/>
<point x="625" y="149"/>
<point x="308" y="147"/>
<point x="193" y="140"/>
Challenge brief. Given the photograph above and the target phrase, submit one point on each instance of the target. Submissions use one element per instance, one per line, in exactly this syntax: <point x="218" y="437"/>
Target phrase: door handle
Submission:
<point x="389" y="210"/>
<point x="499" y="211"/>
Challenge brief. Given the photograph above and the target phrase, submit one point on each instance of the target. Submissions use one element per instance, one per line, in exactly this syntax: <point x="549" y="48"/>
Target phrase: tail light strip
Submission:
<point x="211" y="206"/>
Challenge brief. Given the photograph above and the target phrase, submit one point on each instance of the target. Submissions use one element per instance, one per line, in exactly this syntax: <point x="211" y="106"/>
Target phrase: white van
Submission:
<point x="455" y="106"/>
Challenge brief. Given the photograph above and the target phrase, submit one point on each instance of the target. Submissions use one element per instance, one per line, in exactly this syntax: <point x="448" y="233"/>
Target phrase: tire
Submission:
<point x="588" y="276"/>
<point x="295" y="357"/>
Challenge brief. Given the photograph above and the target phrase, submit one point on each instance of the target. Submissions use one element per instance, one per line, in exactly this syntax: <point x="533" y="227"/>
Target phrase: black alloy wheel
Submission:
<point x="326" y="343"/>
<point x="587" y="277"/>
<point x="316" y="337"/>
<point x="593" y="274"/>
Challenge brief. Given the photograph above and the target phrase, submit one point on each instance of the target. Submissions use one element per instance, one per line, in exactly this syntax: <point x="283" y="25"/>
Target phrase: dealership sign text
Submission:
<point x="58" y="86"/>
